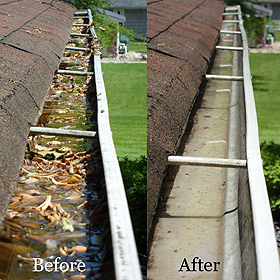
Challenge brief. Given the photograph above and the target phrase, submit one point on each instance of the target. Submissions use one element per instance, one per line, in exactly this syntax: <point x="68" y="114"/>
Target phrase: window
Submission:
<point x="119" y="11"/>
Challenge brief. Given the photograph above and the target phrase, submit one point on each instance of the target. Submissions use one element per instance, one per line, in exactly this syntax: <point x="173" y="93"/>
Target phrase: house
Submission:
<point x="274" y="5"/>
<point x="261" y="11"/>
<point x="135" y="13"/>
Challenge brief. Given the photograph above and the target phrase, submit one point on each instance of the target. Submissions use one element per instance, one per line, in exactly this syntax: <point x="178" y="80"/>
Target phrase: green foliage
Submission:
<point x="255" y="27"/>
<point x="253" y="22"/>
<point x="88" y="4"/>
<point x="108" y="33"/>
<point x="271" y="163"/>
<point x="134" y="174"/>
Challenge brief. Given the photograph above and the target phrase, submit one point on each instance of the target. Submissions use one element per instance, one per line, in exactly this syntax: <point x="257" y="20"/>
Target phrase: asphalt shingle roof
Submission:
<point x="267" y="1"/>
<point x="128" y="4"/>
<point x="181" y="39"/>
<point x="33" y="35"/>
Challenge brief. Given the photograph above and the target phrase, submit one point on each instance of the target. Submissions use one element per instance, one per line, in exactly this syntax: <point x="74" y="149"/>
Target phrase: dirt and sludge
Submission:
<point x="57" y="220"/>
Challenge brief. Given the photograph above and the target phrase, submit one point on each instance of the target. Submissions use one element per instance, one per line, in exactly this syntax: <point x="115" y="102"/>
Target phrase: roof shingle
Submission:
<point x="181" y="40"/>
<point x="130" y="4"/>
<point x="33" y="35"/>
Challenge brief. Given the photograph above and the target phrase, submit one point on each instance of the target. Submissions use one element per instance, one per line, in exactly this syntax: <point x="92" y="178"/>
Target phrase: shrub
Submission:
<point x="134" y="174"/>
<point x="271" y="164"/>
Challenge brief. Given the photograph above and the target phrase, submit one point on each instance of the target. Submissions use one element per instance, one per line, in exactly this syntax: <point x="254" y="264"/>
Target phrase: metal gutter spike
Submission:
<point x="229" y="32"/>
<point x="226" y="48"/>
<point x="61" y="132"/>
<point x="221" y="77"/>
<point x="210" y="162"/>
<point x="75" y="73"/>
<point x="81" y="35"/>
<point x="76" y="49"/>
<point x="80" y="17"/>
<point x="80" y="24"/>
<point x="230" y="14"/>
<point x="81" y="12"/>
<point x="231" y="21"/>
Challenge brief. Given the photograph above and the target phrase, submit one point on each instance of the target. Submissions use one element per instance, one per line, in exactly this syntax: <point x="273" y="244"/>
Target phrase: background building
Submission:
<point x="274" y="5"/>
<point x="135" y="13"/>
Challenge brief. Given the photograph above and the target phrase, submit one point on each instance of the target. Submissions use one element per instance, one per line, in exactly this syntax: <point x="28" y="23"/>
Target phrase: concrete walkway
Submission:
<point x="132" y="57"/>
<point x="268" y="48"/>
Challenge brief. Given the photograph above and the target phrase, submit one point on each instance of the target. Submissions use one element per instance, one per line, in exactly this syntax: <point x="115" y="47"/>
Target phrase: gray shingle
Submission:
<point x="267" y="1"/>
<point x="128" y="4"/>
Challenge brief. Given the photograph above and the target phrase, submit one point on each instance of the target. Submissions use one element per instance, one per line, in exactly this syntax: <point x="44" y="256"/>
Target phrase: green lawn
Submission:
<point x="277" y="36"/>
<point x="126" y="88"/>
<point x="266" y="83"/>
<point x="138" y="47"/>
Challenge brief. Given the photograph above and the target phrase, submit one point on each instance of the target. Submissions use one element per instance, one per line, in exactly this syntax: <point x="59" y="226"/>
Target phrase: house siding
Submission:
<point x="132" y="4"/>
<point x="136" y="19"/>
<point x="276" y="11"/>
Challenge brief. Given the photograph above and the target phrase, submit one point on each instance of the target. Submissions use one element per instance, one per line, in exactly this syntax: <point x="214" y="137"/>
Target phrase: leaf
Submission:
<point x="29" y="180"/>
<point x="77" y="277"/>
<point x="45" y="204"/>
<point x="15" y="248"/>
<point x="74" y="179"/>
<point x="71" y="168"/>
<point x="33" y="192"/>
<point x="41" y="148"/>
<point x="62" y="111"/>
<point x="62" y="252"/>
<point x="52" y="217"/>
<point x="55" y="153"/>
<point x="54" y="143"/>
<point x="78" y="191"/>
<point x="74" y="197"/>
<point x="57" y="208"/>
<point x="64" y="149"/>
<point x="79" y="249"/>
<point x="26" y="259"/>
<point x="66" y="225"/>
<point x="46" y="174"/>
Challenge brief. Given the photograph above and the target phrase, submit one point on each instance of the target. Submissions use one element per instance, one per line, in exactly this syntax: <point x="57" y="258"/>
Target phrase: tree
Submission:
<point x="105" y="28"/>
<point x="254" y="23"/>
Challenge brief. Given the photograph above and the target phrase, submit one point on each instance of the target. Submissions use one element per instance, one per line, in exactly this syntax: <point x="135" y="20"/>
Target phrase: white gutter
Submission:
<point x="265" y="242"/>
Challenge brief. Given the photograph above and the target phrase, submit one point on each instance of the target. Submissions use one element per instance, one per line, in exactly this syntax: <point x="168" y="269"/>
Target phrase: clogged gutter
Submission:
<point x="58" y="212"/>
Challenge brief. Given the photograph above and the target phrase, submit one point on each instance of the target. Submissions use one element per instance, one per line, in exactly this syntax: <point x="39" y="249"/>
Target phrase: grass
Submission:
<point x="266" y="72"/>
<point x="138" y="47"/>
<point x="126" y="88"/>
<point x="277" y="33"/>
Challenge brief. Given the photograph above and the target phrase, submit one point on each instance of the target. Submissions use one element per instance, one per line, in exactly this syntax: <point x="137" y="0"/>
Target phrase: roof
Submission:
<point x="181" y="39"/>
<point x="33" y="35"/>
<point x="267" y="1"/>
<point x="130" y="4"/>
<point x="115" y="16"/>
<point x="260" y="9"/>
